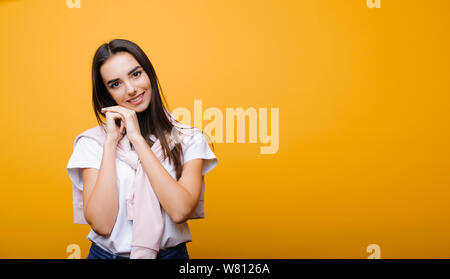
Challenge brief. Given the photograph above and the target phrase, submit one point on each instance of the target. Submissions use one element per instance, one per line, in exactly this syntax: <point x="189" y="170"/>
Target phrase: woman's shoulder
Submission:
<point x="86" y="153"/>
<point x="88" y="141"/>
<point x="185" y="134"/>
<point x="98" y="131"/>
<point x="92" y="137"/>
<point x="196" y="146"/>
<point x="181" y="128"/>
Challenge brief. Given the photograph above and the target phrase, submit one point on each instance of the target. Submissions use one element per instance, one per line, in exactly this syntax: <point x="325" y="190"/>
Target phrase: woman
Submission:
<point x="126" y="91"/>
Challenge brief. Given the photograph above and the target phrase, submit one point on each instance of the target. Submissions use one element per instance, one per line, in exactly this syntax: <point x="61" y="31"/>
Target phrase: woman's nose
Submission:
<point x="130" y="87"/>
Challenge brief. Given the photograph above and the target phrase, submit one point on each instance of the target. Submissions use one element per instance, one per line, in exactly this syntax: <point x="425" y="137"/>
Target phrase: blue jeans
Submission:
<point x="176" y="252"/>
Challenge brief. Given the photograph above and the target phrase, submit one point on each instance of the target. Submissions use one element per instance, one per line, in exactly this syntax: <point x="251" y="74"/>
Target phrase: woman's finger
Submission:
<point x="122" y="127"/>
<point x="117" y="109"/>
<point x="114" y="115"/>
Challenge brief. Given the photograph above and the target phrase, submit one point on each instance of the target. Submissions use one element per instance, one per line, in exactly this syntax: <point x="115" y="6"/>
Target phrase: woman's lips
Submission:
<point x="137" y="100"/>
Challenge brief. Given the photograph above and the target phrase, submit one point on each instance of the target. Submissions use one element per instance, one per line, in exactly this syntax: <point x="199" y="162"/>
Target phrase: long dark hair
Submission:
<point x="154" y="120"/>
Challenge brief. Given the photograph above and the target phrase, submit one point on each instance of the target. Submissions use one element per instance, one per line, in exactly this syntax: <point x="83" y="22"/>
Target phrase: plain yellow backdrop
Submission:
<point x="364" y="102"/>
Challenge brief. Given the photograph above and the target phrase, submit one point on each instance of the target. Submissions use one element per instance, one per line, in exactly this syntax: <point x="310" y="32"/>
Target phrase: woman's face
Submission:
<point x="126" y="81"/>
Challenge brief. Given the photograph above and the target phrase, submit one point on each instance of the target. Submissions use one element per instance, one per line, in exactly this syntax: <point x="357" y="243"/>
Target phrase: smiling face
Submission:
<point x="126" y="81"/>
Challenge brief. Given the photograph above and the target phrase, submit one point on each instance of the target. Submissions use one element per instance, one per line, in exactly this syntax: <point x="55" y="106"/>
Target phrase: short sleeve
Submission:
<point x="196" y="147"/>
<point x="87" y="153"/>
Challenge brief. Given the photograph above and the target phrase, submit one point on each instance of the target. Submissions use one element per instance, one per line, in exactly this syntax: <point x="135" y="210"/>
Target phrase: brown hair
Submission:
<point x="155" y="119"/>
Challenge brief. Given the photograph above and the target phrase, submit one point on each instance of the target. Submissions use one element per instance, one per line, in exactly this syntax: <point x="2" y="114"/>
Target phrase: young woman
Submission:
<point x="126" y="91"/>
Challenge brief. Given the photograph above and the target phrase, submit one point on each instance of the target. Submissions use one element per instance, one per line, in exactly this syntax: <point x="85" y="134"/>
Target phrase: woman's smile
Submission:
<point x="137" y="100"/>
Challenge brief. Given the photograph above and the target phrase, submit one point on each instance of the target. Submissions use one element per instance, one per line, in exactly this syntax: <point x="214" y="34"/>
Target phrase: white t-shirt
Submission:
<point x="88" y="154"/>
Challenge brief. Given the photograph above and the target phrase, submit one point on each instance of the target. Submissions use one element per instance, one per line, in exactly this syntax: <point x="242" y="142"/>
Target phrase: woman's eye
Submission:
<point x="112" y="86"/>
<point x="138" y="72"/>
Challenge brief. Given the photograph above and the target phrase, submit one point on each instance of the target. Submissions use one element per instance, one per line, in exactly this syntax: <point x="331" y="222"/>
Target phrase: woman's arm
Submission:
<point x="100" y="201"/>
<point x="178" y="198"/>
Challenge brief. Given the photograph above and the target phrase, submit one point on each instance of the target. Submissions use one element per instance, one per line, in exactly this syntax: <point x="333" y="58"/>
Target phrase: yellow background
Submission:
<point x="364" y="116"/>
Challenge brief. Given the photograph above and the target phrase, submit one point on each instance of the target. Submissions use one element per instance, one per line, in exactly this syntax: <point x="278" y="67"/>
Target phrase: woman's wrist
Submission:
<point x="136" y="139"/>
<point x="110" y="142"/>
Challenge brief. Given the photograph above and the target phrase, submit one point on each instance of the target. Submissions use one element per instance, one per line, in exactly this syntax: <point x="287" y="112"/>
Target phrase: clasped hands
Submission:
<point x="129" y="120"/>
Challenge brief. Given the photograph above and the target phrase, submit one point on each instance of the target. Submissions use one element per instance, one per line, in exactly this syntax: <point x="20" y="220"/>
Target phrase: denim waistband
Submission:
<point x="99" y="252"/>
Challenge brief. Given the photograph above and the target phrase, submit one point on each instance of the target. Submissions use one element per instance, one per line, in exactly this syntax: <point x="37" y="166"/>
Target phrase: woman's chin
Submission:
<point x="139" y="109"/>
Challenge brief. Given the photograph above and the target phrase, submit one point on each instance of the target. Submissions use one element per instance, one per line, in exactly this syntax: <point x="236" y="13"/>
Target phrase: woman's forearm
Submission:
<point x="174" y="198"/>
<point x="102" y="206"/>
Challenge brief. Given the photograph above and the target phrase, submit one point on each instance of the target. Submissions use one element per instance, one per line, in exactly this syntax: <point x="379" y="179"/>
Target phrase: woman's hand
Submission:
<point x="129" y="119"/>
<point x="113" y="132"/>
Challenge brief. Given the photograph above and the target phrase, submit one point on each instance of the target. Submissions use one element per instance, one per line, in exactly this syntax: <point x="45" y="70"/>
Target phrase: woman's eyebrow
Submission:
<point x="129" y="73"/>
